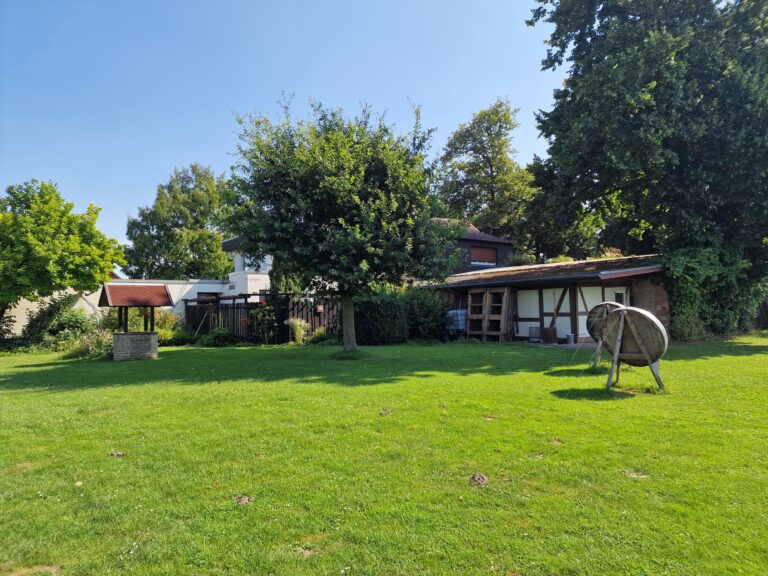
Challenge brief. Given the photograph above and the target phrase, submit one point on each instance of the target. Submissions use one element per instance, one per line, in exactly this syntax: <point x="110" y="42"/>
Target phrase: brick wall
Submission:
<point x="650" y="294"/>
<point x="134" y="345"/>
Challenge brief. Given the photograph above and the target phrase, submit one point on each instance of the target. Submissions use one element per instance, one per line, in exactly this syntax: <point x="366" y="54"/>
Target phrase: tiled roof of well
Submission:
<point x="135" y="295"/>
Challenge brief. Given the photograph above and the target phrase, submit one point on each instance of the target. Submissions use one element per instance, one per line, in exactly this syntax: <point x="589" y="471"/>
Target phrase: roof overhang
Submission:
<point x="134" y="295"/>
<point x="534" y="277"/>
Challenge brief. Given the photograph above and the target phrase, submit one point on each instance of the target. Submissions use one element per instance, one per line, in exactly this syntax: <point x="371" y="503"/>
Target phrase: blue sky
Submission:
<point x="106" y="98"/>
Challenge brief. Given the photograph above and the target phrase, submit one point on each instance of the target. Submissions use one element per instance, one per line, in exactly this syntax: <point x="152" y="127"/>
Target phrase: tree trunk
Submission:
<point x="348" y="323"/>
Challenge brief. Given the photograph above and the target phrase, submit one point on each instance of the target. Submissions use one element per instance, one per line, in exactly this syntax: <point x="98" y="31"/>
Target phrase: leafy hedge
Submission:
<point x="425" y="313"/>
<point x="380" y="320"/>
<point x="710" y="292"/>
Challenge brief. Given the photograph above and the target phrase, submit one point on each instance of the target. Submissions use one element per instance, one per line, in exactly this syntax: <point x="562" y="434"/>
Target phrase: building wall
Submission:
<point x="503" y="254"/>
<point x="646" y="293"/>
<point x="650" y="294"/>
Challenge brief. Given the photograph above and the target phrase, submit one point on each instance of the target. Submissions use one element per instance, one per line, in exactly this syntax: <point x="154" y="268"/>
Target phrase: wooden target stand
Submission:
<point x="643" y="337"/>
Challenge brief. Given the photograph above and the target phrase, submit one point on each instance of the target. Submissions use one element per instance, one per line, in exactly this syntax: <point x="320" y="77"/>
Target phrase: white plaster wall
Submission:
<point x="552" y="297"/>
<point x="593" y="295"/>
<point x="528" y="304"/>
<point x="522" y="329"/>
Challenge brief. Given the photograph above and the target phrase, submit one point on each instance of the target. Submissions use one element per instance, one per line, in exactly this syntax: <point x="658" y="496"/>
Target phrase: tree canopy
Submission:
<point x="45" y="247"/>
<point x="342" y="204"/>
<point x="179" y="236"/>
<point x="480" y="180"/>
<point x="662" y="125"/>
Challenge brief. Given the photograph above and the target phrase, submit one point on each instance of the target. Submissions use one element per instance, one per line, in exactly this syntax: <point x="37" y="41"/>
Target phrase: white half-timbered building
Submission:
<point x="551" y="301"/>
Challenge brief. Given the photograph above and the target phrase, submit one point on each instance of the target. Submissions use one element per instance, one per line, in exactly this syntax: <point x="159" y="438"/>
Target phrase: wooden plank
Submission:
<point x="557" y="308"/>
<point x="541" y="309"/>
<point x="574" y="308"/>
<point x="616" y="349"/>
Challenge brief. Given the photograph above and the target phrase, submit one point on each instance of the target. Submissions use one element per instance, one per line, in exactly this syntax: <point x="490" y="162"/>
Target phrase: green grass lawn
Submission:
<point x="363" y="467"/>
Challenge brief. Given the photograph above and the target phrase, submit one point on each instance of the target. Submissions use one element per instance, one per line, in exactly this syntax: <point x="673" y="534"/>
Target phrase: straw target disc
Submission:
<point x="648" y="334"/>
<point x="596" y="318"/>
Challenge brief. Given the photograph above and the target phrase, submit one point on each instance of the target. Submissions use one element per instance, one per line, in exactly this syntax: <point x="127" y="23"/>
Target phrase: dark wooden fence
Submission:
<point x="202" y="315"/>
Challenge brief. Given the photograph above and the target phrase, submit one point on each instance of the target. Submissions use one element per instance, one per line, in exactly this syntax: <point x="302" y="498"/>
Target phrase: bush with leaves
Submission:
<point x="321" y="335"/>
<point x="298" y="328"/>
<point x="94" y="344"/>
<point x="425" y="313"/>
<point x="380" y="320"/>
<point x="217" y="337"/>
<point x="174" y="337"/>
<point x="709" y="293"/>
<point x="263" y="323"/>
<point x="57" y="321"/>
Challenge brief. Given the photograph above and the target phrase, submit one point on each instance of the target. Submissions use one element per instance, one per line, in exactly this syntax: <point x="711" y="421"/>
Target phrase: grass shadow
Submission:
<point x="596" y="394"/>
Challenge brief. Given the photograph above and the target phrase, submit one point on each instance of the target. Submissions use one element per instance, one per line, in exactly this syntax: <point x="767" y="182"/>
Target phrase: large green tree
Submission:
<point x="480" y="180"/>
<point x="179" y="236"/>
<point x="341" y="204"/>
<point x="663" y="118"/>
<point x="45" y="247"/>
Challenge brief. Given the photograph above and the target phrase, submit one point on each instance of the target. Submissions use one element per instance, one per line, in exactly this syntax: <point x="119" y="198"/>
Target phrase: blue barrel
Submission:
<point x="456" y="322"/>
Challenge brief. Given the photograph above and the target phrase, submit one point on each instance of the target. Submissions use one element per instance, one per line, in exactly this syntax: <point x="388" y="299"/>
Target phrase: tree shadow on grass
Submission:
<point x="598" y="394"/>
<point x="297" y="364"/>
<point x="578" y="372"/>
<point x="430" y="363"/>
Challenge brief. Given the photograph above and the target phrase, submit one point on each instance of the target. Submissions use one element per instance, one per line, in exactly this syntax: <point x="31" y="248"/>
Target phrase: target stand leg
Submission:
<point x="616" y="349"/>
<point x="598" y="352"/>
<point x="655" y="371"/>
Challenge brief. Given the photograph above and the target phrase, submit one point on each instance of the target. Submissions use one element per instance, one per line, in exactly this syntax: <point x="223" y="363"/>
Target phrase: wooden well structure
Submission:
<point x="129" y="345"/>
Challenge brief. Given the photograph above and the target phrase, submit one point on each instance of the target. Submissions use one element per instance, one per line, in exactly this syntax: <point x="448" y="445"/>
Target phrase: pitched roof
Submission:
<point x="135" y="295"/>
<point x="231" y="244"/>
<point x="599" y="270"/>
<point x="483" y="237"/>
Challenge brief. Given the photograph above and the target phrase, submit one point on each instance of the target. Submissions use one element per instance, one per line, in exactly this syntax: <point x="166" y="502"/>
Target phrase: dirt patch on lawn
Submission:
<point x="478" y="479"/>
<point x="244" y="499"/>
<point x="22" y="467"/>
<point x="637" y="475"/>
<point x="40" y="569"/>
<point x="304" y="552"/>
<point x="556" y="442"/>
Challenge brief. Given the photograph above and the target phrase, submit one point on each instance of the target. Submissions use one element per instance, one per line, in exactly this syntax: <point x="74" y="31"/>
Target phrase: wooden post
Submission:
<point x="616" y="349"/>
<point x="125" y="318"/>
<point x="654" y="366"/>
<point x="119" y="318"/>
<point x="598" y="351"/>
<point x="146" y="319"/>
<point x="152" y="319"/>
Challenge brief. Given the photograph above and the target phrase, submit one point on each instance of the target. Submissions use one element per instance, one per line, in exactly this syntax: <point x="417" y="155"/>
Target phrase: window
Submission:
<point x="618" y="297"/>
<point x="479" y="256"/>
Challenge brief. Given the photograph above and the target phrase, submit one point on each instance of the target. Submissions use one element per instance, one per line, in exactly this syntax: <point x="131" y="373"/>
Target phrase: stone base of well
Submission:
<point x="134" y="346"/>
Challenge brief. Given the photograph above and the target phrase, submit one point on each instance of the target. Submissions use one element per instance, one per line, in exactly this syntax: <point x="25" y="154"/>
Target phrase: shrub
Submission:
<point x="167" y="320"/>
<point x="217" y="337"/>
<point x="94" y="344"/>
<point x="322" y="336"/>
<point x="135" y="320"/>
<point x="263" y="323"/>
<point x="57" y="321"/>
<point x="425" y="313"/>
<point x="298" y="329"/>
<point x="6" y="325"/>
<point x="380" y="320"/>
<point x="164" y="320"/>
<point x="171" y="337"/>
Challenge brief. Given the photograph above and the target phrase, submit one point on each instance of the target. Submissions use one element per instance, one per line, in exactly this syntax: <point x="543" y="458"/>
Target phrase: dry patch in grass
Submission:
<point x="39" y="570"/>
<point x="637" y="475"/>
